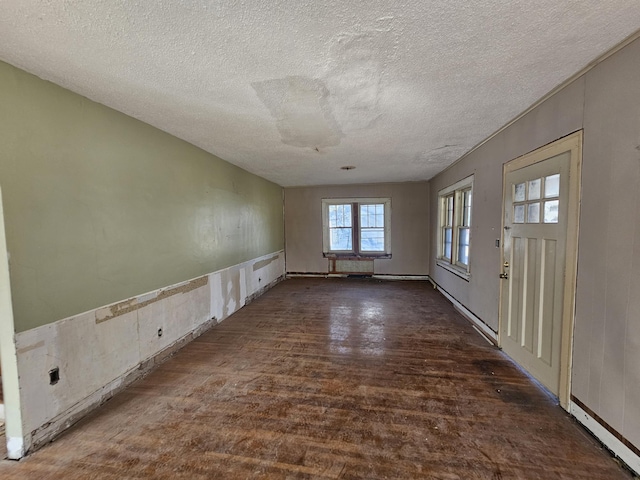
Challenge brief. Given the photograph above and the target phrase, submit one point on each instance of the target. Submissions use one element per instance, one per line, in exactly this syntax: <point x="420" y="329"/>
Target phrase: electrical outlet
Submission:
<point x="54" y="376"/>
<point x="159" y="332"/>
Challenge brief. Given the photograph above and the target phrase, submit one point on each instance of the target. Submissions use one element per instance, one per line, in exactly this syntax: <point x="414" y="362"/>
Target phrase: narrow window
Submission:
<point x="372" y="227"/>
<point x="454" y="240"/>
<point x="447" y="227"/>
<point x="464" y="228"/>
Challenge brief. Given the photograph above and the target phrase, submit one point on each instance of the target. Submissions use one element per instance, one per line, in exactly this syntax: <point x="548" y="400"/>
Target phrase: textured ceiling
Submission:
<point x="294" y="89"/>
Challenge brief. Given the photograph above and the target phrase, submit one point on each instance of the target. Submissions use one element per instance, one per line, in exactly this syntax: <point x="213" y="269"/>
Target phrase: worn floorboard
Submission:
<point x="336" y="378"/>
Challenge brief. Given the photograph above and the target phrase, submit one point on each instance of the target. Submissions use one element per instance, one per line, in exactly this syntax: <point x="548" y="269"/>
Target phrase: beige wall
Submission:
<point x="606" y="103"/>
<point x="559" y="116"/>
<point x="409" y="226"/>
<point x="100" y="207"/>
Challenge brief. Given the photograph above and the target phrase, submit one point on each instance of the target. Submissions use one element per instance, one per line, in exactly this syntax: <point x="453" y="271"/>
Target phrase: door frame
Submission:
<point x="571" y="143"/>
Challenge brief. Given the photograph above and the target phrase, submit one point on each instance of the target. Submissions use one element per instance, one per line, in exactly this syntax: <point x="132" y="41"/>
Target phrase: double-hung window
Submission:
<point x="454" y="219"/>
<point x="356" y="226"/>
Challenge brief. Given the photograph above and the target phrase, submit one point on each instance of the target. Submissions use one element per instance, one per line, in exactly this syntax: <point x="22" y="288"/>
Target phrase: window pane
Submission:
<point x="346" y="211"/>
<point x="466" y="214"/>
<point x="379" y="218"/>
<point x="534" y="189"/>
<point x="533" y="213"/>
<point x="463" y="246"/>
<point x="552" y="186"/>
<point x="340" y="239"/>
<point x="333" y="216"/>
<point x="340" y="215"/>
<point x="551" y="211"/>
<point x="518" y="214"/>
<point x="449" y="218"/>
<point x="364" y="217"/>
<point x="447" y="243"/>
<point x="372" y="240"/>
<point x="519" y="192"/>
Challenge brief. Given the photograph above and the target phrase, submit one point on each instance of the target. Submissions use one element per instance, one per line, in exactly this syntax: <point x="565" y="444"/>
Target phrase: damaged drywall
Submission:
<point x="101" y="351"/>
<point x="107" y="313"/>
<point x="300" y="105"/>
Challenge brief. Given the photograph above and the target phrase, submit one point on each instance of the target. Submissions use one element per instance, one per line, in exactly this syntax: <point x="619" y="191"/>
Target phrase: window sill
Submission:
<point x="454" y="269"/>
<point x="354" y="256"/>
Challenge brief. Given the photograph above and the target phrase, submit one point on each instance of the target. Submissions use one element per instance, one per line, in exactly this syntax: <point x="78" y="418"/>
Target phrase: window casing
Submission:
<point x="356" y="227"/>
<point x="454" y="219"/>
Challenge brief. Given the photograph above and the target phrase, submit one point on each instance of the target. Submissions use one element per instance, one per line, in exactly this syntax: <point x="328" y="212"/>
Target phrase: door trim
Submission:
<point x="571" y="143"/>
<point x="14" y="431"/>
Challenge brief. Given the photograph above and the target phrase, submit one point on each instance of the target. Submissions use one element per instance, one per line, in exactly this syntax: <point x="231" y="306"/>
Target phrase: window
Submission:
<point x="454" y="218"/>
<point x="355" y="226"/>
<point x="527" y="200"/>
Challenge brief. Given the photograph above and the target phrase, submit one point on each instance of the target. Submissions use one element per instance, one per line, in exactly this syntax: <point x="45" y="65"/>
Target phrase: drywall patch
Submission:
<point x="302" y="111"/>
<point x="357" y="65"/>
<point x="263" y="263"/>
<point x="112" y="311"/>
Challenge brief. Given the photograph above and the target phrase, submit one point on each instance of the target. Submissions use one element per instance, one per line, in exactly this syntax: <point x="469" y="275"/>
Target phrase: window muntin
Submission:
<point x="356" y="226"/>
<point x="530" y="206"/>
<point x="455" y="212"/>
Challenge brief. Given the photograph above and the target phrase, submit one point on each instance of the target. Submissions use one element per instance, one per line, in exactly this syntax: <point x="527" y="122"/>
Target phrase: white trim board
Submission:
<point x="464" y="311"/>
<point x="618" y="448"/>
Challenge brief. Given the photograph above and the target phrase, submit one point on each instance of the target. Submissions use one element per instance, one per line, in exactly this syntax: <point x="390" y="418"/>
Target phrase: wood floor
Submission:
<point x="338" y="378"/>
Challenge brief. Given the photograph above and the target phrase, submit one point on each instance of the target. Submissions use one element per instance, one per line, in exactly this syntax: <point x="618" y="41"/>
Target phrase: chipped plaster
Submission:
<point x="383" y="85"/>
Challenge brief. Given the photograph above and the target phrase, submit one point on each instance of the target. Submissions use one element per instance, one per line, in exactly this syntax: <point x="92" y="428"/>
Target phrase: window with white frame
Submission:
<point x="454" y="219"/>
<point x="356" y="226"/>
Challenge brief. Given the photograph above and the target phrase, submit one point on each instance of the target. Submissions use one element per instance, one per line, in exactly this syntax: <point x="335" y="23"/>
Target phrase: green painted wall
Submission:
<point x="100" y="207"/>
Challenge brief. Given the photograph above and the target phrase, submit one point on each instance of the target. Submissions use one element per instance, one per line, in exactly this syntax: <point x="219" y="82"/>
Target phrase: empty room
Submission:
<point x="329" y="240"/>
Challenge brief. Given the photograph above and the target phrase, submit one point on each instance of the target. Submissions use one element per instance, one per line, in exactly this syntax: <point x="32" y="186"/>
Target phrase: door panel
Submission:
<point x="534" y="245"/>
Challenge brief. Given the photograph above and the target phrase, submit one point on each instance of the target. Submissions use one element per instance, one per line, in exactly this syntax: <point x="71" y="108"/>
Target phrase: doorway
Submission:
<point x="541" y="192"/>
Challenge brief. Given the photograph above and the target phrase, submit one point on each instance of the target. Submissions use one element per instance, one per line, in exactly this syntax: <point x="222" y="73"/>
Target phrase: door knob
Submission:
<point x="504" y="275"/>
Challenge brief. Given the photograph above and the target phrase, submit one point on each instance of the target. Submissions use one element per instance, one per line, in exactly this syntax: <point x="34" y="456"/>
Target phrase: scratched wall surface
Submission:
<point x="100" y="207"/>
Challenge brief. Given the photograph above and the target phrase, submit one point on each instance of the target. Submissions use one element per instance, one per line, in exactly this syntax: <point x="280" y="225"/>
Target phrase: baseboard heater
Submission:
<point x="351" y="266"/>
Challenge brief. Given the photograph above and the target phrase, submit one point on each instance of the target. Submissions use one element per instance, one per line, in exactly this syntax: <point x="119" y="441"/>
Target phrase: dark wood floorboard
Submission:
<point x="330" y="378"/>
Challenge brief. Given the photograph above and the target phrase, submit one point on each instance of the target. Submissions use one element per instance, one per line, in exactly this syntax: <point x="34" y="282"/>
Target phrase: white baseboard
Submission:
<point x="483" y="328"/>
<point x="609" y="440"/>
<point x="382" y="276"/>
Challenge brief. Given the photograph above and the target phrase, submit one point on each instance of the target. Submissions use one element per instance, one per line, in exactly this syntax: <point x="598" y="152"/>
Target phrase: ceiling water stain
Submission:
<point x="300" y="105"/>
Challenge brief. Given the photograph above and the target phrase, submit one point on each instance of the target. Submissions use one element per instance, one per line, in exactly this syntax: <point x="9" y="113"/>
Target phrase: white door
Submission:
<point x="538" y="270"/>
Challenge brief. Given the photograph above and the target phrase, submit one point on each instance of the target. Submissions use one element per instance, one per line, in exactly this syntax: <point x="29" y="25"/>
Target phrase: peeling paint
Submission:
<point x="302" y="111"/>
<point x="107" y="313"/>
<point x="355" y="77"/>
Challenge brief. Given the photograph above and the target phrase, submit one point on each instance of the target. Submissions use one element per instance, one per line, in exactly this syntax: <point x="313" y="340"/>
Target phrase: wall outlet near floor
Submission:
<point x="159" y="332"/>
<point x="54" y="376"/>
